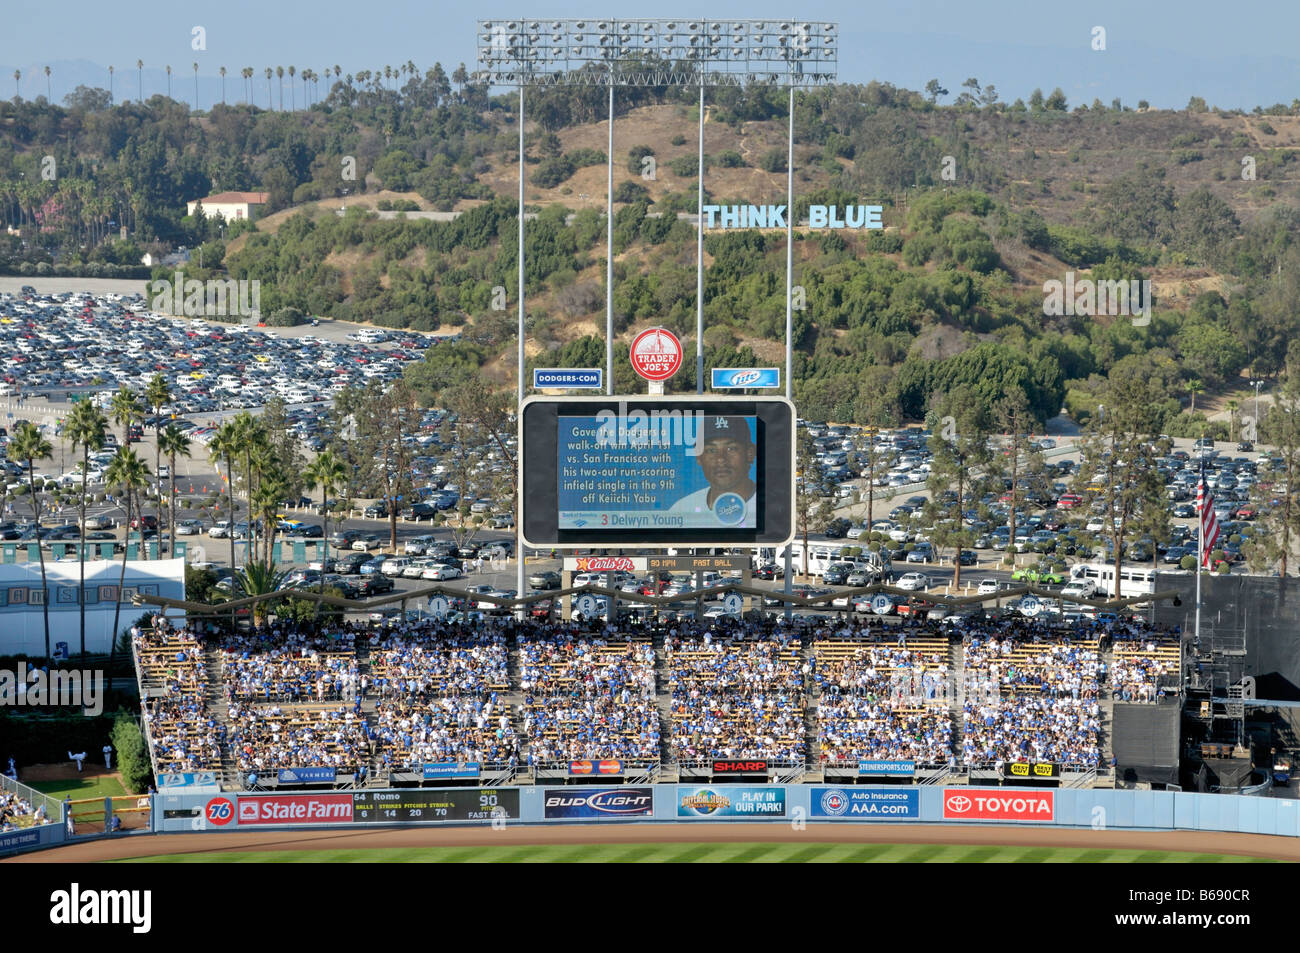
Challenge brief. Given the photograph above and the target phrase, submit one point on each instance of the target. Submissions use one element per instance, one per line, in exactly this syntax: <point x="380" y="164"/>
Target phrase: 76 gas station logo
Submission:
<point x="219" y="811"/>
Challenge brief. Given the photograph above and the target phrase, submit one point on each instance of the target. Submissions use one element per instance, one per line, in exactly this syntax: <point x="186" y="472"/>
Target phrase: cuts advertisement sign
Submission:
<point x="988" y="805"/>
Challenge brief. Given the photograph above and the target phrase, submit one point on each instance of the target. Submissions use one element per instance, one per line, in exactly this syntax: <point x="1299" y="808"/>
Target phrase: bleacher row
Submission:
<point x="442" y="693"/>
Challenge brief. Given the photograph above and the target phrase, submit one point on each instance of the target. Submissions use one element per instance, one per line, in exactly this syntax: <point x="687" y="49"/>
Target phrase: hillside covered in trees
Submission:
<point x="984" y="202"/>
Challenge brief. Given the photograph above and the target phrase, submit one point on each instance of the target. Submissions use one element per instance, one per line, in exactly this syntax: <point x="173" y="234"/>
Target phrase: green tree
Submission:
<point x="173" y="442"/>
<point x="127" y="474"/>
<point x="132" y="753"/>
<point x="87" y="428"/>
<point x="124" y="408"/>
<point x="1020" y="460"/>
<point x="812" y="508"/>
<point x="29" y="445"/>
<point x="225" y="446"/>
<point x="1279" y="509"/>
<point x="959" y="441"/>
<point x="327" y="472"/>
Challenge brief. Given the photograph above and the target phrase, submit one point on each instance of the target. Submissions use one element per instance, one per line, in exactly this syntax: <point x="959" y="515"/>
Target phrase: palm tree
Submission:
<point x="327" y="472"/>
<point x="1232" y="407"/>
<point x="292" y="107"/>
<point x="1195" y="386"/>
<point x="127" y="474"/>
<point x="49" y="95"/>
<point x="272" y="487"/>
<point x="110" y="85"/>
<point x="279" y="75"/>
<point x="28" y="445"/>
<point x="157" y="395"/>
<point x="173" y="442"/>
<point x="268" y="87"/>
<point x="258" y="579"/>
<point x="124" y="409"/>
<point x="247" y="74"/>
<point x="87" y="426"/>
<point x="18" y="74"/>
<point x="246" y="432"/>
<point x="222" y="71"/>
<point x="169" y="82"/>
<point x="139" y="75"/>
<point x="196" y="87"/>
<point x="225" y="446"/>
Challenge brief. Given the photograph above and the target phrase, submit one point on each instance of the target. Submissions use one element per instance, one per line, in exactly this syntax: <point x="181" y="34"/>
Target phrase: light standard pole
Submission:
<point x="1257" y="385"/>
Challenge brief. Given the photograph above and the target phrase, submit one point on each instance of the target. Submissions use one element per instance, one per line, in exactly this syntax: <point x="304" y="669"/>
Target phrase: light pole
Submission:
<point x="1257" y="385"/>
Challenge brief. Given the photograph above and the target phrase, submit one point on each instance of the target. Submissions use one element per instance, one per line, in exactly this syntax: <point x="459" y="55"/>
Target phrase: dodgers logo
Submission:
<point x="730" y="508"/>
<point x="835" y="802"/>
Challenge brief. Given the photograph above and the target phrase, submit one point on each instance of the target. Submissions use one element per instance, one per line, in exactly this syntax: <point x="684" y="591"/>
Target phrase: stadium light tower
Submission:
<point x="656" y="52"/>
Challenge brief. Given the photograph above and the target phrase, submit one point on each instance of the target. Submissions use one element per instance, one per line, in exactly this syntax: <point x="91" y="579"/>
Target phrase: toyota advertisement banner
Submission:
<point x="974" y="804"/>
<point x="579" y="803"/>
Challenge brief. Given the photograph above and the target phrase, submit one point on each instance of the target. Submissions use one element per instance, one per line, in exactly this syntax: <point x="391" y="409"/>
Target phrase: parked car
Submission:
<point x="913" y="581"/>
<point x="374" y="584"/>
<point x="190" y="527"/>
<point x="550" y="579"/>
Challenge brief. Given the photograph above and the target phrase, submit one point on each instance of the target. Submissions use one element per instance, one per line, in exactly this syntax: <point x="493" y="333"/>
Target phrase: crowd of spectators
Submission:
<point x="184" y="734"/>
<point x="439" y="696"/>
<point x="14" y="809"/>
<point x="736" y="696"/>
<point x="1030" y="697"/>
<point x="290" y="665"/>
<point x="881" y="702"/>
<point x="266" y="738"/>
<point x="588" y="695"/>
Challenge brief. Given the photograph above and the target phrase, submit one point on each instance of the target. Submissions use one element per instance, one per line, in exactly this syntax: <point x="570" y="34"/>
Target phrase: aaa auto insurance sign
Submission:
<point x="1012" y="805"/>
<point x="656" y="354"/>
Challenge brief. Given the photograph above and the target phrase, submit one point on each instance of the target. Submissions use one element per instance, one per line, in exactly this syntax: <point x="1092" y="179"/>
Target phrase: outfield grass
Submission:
<point x="705" y="853"/>
<point x="75" y="788"/>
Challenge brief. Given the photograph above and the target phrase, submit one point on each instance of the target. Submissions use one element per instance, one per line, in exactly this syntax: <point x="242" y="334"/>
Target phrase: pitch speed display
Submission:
<point x="459" y="804"/>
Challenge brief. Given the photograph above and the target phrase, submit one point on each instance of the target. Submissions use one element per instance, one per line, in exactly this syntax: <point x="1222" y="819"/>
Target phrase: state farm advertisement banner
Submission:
<point x="989" y="805"/>
<point x="604" y="563"/>
<point x="295" y="809"/>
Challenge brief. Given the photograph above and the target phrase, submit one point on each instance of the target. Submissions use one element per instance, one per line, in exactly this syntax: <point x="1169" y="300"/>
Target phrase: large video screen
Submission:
<point x="676" y="471"/>
<point x="663" y="470"/>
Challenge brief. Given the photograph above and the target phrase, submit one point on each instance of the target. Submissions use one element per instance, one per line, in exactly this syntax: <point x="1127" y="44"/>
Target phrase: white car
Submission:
<point x="988" y="587"/>
<point x="440" y="572"/>
<point x="189" y="527"/>
<point x="912" y="581"/>
<point x="1081" y="589"/>
<point x="394" y="567"/>
<point x="220" y="529"/>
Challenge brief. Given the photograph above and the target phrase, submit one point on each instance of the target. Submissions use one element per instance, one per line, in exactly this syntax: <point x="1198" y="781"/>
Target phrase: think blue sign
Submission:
<point x="568" y="378"/>
<point x="737" y="377"/>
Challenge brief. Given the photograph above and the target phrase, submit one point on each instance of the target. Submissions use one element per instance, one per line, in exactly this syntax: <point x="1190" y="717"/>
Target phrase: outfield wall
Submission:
<point x="1099" y="809"/>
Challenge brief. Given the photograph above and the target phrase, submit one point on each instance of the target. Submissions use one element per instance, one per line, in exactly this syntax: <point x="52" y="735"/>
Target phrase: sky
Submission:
<point x="1234" y="56"/>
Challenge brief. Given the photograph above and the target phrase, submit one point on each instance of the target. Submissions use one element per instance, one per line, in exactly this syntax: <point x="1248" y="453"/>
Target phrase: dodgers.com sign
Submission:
<point x="306" y="775"/>
<point x="892" y="769"/>
<point x="728" y="378"/>
<point x="452" y="769"/>
<point x="298" y="809"/>
<point x="988" y="805"/>
<point x="886" y="804"/>
<point x="568" y="378"/>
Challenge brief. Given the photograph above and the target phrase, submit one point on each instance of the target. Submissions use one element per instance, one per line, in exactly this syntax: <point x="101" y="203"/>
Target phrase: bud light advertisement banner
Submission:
<point x="585" y="803"/>
<point x="865" y="804"/>
<point x="657" y="469"/>
<point x="716" y="801"/>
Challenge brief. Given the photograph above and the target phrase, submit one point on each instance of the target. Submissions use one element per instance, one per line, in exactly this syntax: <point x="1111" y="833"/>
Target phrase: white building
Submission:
<point x="22" y="626"/>
<point x="230" y="205"/>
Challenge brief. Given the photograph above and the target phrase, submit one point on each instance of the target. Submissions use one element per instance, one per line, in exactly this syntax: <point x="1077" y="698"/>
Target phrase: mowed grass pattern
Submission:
<point x="707" y="853"/>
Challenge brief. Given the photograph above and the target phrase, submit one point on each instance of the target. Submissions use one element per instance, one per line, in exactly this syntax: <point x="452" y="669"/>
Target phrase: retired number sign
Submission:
<point x="656" y="354"/>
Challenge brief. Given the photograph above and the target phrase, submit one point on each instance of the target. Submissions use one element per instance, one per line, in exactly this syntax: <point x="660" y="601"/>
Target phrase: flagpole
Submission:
<point x="1200" y="545"/>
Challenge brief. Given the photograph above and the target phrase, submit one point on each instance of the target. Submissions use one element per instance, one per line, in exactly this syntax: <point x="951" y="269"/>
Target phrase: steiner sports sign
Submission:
<point x="656" y="354"/>
<point x="988" y="805"/>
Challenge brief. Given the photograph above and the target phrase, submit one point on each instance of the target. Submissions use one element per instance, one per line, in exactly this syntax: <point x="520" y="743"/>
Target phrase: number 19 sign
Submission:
<point x="656" y="354"/>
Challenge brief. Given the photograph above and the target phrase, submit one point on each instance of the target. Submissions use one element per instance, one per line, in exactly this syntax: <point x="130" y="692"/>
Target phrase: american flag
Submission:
<point x="1209" y="522"/>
